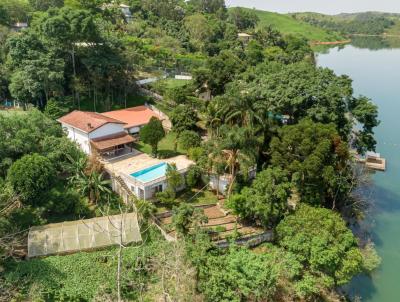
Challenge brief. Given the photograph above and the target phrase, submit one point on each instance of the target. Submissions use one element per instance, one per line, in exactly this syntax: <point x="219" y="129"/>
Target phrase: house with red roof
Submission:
<point x="134" y="118"/>
<point x="108" y="132"/>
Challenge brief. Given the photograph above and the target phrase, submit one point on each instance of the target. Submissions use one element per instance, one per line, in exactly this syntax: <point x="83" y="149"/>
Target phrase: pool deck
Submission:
<point x="137" y="161"/>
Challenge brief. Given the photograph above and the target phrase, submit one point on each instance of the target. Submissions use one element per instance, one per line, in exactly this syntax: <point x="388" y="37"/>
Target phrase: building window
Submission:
<point x="158" y="188"/>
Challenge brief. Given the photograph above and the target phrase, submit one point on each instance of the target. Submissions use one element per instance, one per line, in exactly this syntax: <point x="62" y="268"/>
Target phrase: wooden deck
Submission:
<point x="377" y="164"/>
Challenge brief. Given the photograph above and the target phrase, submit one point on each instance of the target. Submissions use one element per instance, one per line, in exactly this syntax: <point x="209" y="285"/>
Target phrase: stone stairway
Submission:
<point x="123" y="185"/>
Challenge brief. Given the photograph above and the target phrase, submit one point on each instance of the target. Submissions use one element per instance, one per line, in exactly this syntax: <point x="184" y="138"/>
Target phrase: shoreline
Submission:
<point x="331" y="42"/>
<point x="384" y="35"/>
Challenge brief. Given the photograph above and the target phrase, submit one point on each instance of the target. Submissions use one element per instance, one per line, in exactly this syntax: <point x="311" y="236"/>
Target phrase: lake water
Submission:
<point x="374" y="65"/>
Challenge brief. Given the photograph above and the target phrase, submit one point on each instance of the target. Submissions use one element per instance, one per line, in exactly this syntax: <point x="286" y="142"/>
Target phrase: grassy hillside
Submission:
<point x="288" y="25"/>
<point x="368" y="23"/>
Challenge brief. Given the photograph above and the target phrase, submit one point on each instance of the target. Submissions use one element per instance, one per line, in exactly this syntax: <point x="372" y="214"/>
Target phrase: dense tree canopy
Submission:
<point x="257" y="105"/>
<point x="266" y="200"/>
<point x="316" y="162"/>
<point x="323" y="244"/>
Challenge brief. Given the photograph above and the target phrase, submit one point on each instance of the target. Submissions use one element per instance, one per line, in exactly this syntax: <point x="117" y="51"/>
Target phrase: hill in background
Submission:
<point x="289" y="25"/>
<point x="366" y="23"/>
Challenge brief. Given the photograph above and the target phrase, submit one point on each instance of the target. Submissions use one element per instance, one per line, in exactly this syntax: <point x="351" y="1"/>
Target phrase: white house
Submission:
<point x="95" y="132"/>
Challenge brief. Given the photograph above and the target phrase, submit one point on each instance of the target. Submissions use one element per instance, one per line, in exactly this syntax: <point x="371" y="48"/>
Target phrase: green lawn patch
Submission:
<point x="165" y="147"/>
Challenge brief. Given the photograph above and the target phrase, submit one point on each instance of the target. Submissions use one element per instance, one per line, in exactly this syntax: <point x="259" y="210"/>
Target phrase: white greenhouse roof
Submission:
<point x="80" y="235"/>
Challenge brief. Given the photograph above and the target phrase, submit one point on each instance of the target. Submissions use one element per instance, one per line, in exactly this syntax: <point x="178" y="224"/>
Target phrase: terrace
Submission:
<point x="143" y="174"/>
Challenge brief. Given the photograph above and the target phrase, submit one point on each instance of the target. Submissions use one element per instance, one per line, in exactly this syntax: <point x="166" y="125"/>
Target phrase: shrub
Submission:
<point x="152" y="134"/>
<point x="196" y="153"/>
<point x="189" y="139"/>
<point x="193" y="176"/>
<point x="31" y="176"/>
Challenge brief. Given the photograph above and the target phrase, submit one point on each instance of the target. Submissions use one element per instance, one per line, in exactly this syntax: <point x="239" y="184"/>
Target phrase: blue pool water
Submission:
<point x="151" y="173"/>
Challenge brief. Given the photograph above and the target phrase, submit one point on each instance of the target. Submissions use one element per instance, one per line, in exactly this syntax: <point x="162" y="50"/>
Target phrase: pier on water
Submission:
<point x="372" y="161"/>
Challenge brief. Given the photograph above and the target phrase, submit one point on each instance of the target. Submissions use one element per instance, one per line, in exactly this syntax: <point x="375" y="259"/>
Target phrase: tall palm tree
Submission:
<point x="240" y="108"/>
<point x="212" y="118"/>
<point x="239" y="147"/>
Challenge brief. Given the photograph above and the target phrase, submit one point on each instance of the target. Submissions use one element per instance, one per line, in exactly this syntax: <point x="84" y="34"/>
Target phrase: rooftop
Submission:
<point x="87" y="121"/>
<point x="132" y="117"/>
<point x="108" y="142"/>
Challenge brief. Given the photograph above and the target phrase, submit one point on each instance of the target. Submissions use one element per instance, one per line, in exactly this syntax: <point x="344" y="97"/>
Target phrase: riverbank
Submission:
<point x="384" y="35"/>
<point x="331" y="42"/>
<point x="373" y="69"/>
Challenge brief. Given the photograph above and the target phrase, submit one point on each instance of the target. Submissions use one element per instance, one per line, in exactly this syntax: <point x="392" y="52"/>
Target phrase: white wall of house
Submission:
<point x="80" y="137"/>
<point x="134" y="130"/>
<point x="83" y="138"/>
<point x="107" y="129"/>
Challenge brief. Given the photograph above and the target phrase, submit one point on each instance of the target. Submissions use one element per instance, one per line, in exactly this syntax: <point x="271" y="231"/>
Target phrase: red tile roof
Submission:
<point x="135" y="116"/>
<point x="108" y="142"/>
<point x="87" y="121"/>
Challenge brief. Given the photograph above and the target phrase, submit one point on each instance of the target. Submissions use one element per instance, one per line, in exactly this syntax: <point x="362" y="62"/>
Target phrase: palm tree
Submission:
<point x="93" y="185"/>
<point x="239" y="147"/>
<point x="240" y="108"/>
<point x="76" y="167"/>
<point x="213" y="119"/>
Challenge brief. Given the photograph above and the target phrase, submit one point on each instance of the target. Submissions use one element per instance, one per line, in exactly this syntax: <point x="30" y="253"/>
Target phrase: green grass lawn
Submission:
<point x="287" y="25"/>
<point x="173" y="83"/>
<point x="165" y="147"/>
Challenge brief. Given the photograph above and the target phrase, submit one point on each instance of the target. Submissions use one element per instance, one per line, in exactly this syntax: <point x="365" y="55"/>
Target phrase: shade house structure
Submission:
<point x="80" y="235"/>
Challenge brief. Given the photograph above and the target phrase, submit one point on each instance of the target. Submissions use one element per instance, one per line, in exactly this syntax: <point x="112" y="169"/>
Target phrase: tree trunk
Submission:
<point x="217" y="186"/>
<point x="233" y="174"/>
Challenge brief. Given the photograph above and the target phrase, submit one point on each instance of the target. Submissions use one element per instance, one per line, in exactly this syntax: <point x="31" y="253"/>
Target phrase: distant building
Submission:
<point x="204" y="93"/>
<point x="18" y="26"/>
<point x="126" y="12"/>
<point x="244" y="37"/>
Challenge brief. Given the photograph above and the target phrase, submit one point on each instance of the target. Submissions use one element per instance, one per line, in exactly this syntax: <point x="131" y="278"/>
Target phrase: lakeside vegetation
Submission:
<point x="369" y="23"/>
<point x="272" y="110"/>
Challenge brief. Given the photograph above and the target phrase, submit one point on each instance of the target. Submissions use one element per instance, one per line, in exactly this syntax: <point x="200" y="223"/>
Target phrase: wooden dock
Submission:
<point x="373" y="161"/>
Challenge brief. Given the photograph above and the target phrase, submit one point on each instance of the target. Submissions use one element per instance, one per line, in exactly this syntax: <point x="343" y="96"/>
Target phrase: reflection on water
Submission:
<point x="374" y="63"/>
<point x="375" y="43"/>
<point x="363" y="42"/>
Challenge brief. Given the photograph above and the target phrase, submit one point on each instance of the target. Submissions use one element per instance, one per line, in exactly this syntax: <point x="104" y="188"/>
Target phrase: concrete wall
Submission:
<point x="106" y="129"/>
<point x="134" y="130"/>
<point x="223" y="183"/>
<point x="183" y="77"/>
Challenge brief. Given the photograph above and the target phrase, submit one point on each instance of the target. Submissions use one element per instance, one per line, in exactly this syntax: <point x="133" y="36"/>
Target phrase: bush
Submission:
<point x="152" y="134"/>
<point x="54" y="109"/>
<point x="193" y="176"/>
<point x="189" y="139"/>
<point x="31" y="176"/>
<point x="196" y="153"/>
<point x="371" y="259"/>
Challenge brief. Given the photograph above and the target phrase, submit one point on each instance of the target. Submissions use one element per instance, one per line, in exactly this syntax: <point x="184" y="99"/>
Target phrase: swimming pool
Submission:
<point x="151" y="173"/>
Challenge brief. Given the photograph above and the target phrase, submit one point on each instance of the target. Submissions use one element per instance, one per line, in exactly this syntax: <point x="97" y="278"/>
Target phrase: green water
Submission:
<point x="375" y="69"/>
